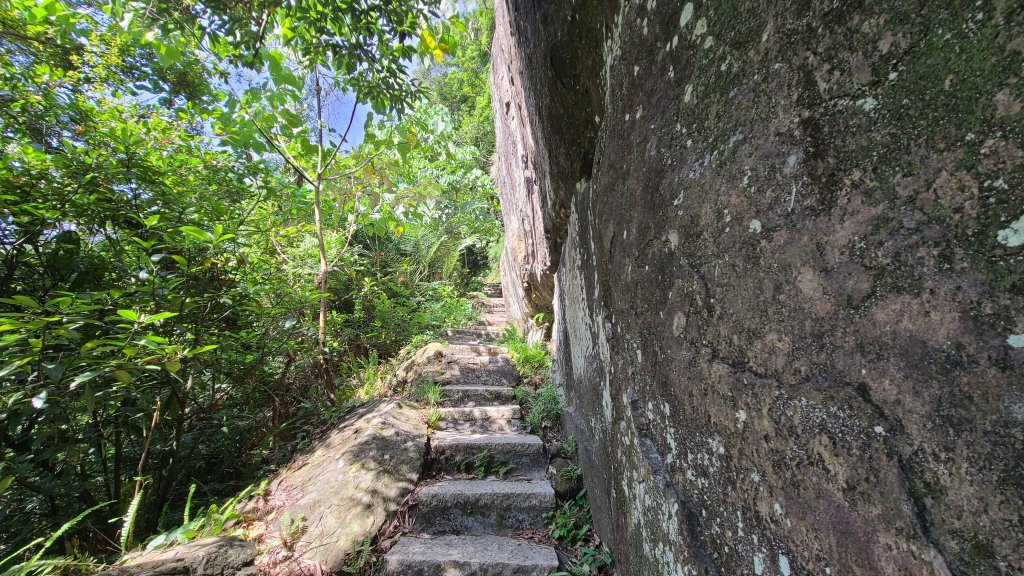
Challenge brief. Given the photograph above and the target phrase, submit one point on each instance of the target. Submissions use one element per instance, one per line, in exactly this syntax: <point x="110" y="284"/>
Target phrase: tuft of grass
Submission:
<point x="532" y="361"/>
<point x="434" y="420"/>
<point x="429" y="393"/>
<point x="570" y="474"/>
<point x="571" y="447"/>
<point x="543" y="407"/>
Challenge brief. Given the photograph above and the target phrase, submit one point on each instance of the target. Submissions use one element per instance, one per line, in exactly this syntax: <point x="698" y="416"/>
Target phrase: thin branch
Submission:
<point x="282" y="152"/>
<point x="357" y="168"/>
<point x="344" y="138"/>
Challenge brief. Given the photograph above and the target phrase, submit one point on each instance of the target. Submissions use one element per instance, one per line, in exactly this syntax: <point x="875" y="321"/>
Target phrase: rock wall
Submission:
<point x="789" y="261"/>
<point x="548" y="109"/>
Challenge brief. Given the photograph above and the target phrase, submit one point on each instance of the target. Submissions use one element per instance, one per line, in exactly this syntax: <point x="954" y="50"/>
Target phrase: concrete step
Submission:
<point x="468" y="556"/>
<point x="455" y="453"/>
<point x="473" y="396"/>
<point x="499" y="507"/>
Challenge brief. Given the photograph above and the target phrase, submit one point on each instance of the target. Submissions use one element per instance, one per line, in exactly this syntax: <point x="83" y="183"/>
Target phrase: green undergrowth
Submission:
<point x="572" y="526"/>
<point x="541" y="403"/>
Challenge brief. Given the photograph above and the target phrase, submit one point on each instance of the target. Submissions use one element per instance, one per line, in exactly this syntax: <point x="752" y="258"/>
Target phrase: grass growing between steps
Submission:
<point x="480" y="465"/>
<point x="542" y="406"/>
<point x="571" y="526"/>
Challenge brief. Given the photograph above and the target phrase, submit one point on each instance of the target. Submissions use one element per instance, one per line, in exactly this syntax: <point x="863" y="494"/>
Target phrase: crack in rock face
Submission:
<point x="781" y="251"/>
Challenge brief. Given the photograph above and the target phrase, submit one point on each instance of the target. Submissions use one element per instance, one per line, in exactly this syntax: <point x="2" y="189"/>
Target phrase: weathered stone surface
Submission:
<point x="489" y="506"/>
<point x="469" y="556"/>
<point x="523" y="453"/>
<point x="347" y="487"/>
<point x="782" y="301"/>
<point x="535" y="184"/>
<point x="228" y="556"/>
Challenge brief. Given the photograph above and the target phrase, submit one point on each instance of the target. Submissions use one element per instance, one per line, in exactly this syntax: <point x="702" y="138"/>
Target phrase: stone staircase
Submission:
<point x="464" y="525"/>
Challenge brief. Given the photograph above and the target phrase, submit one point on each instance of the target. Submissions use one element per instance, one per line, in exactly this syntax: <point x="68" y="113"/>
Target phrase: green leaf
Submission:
<point x="129" y="315"/>
<point x="5" y="483"/>
<point x="204" y="349"/>
<point x="197" y="233"/>
<point x="159" y="316"/>
<point x="173" y="366"/>
<point x="23" y="301"/>
<point x="85" y="377"/>
<point x="123" y="376"/>
<point x="14" y="366"/>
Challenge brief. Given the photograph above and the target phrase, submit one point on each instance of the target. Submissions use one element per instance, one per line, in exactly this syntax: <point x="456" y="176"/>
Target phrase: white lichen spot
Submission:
<point x="636" y="70"/>
<point x="684" y="18"/>
<point x="673" y="238"/>
<point x="755" y="477"/>
<point x="758" y="564"/>
<point x="778" y="509"/>
<point x="741" y="416"/>
<point x="700" y="28"/>
<point x="867" y="104"/>
<point x="1016" y="340"/>
<point x="784" y="565"/>
<point x="1014" y="235"/>
<point x="879" y="430"/>
<point x="755" y="226"/>
<point x="675" y="41"/>
<point x="893" y="75"/>
<point x="708" y="42"/>
<point x="689" y="93"/>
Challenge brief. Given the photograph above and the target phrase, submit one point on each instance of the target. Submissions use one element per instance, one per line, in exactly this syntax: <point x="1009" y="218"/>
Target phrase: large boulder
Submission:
<point x="342" y="492"/>
<point x="788" y="286"/>
<point x="208" y="557"/>
<point x="545" y="132"/>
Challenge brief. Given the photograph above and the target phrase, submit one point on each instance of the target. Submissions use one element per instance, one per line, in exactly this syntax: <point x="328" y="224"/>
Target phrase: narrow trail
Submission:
<point x="465" y="525"/>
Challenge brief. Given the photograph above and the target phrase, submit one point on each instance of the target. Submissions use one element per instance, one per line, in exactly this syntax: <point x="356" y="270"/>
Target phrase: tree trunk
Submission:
<point x="323" y="276"/>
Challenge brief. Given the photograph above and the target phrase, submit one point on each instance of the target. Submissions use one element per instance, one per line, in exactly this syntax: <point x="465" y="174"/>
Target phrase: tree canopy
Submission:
<point x="198" y="265"/>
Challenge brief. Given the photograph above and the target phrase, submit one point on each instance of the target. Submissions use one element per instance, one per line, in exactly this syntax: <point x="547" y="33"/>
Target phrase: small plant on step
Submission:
<point x="429" y="393"/>
<point x="434" y="420"/>
<point x="481" y="465"/>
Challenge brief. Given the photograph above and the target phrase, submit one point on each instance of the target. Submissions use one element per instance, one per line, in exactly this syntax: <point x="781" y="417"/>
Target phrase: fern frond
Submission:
<point x="129" y="520"/>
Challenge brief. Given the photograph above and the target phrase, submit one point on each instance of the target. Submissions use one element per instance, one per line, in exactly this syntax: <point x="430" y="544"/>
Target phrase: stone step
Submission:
<point x="481" y="414"/>
<point x="474" y="371"/>
<point x="522" y="454"/>
<point x="462" y="350"/>
<point x="468" y="556"/>
<point x="472" y="396"/>
<point x="499" y="507"/>
<point x="474" y="336"/>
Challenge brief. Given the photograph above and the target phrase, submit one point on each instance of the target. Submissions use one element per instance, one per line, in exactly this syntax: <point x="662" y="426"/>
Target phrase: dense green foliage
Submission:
<point x="177" y="215"/>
